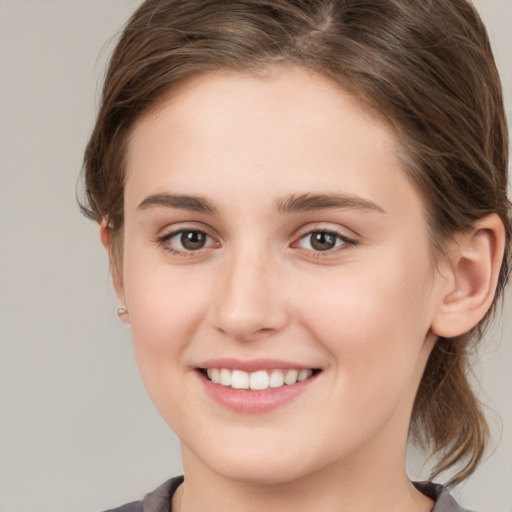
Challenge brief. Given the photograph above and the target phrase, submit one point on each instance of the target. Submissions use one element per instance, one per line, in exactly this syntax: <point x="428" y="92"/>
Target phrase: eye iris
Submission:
<point x="323" y="241"/>
<point x="193" y="240"/>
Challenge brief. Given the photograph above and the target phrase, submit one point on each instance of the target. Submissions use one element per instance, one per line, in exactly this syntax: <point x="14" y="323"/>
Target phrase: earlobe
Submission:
<point x="475" y="263"/>
<point x="117" y="280"/>
<point x="105" y="236"/>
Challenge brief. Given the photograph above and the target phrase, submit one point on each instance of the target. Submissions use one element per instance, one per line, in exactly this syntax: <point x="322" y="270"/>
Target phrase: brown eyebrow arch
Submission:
<point x="309" y="202"/>
<point x="181" y="202"/>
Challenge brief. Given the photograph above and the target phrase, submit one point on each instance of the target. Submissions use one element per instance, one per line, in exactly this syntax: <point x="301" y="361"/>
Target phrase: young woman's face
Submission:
<point x="270" y="232"/>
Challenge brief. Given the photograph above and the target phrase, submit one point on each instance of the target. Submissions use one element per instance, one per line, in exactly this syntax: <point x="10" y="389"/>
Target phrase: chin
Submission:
<point x="268" y="464"/>
<point x="270" y="473"/>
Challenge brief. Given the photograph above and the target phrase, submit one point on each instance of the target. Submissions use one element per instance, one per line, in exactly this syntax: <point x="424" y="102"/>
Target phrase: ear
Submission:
<point x="474" y="263"/>
<point x="117" y="278"/>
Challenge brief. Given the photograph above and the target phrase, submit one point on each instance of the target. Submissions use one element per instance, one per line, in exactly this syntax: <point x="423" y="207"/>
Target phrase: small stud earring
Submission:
<point x="121" y="311"/>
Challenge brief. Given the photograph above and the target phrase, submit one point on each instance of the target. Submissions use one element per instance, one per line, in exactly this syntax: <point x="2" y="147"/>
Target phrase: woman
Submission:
<point x="305" y="208"/>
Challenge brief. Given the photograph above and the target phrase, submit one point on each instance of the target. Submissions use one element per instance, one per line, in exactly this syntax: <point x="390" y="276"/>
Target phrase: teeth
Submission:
<point x="239" y="379"/>
<point x="291" y="377"/>
<point x="259" y="380"/>
<point x="225" y="377"/>
<point x="276" y="379"/>
<point x="304" y="374"/>
<point x="215" y="375"/>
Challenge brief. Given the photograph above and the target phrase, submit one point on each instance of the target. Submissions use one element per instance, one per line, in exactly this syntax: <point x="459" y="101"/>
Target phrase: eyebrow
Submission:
<point x="191" y="203"/>
<point x="297" y="203"/>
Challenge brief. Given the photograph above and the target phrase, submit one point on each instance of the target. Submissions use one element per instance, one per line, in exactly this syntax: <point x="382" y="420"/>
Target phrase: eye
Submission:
<point x="323" y="240"/>
<point x="186" y="240"/>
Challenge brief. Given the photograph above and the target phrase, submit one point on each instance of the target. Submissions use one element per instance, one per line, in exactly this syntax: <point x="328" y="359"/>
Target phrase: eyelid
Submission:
<point x="165" y="236"/>
<point x="349" y="241"/>
<point x="328" y="227"/>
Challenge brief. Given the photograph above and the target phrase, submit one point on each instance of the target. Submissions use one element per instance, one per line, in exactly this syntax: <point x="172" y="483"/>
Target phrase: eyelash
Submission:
<point x="346" y="242"/>
<point x="164" y="242"/>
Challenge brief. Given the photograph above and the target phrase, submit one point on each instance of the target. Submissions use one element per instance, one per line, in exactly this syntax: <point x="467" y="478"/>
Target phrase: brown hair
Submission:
<point x="424" y="65"/>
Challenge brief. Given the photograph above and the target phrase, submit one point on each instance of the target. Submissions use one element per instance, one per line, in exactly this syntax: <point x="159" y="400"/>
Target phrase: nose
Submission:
<point x="250" y="297"/>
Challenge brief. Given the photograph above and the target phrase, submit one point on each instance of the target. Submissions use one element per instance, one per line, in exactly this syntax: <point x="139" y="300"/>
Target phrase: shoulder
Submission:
<point x="160" y="499"/>
<point x="157" y="501"/>
<point x="444" y="501"/>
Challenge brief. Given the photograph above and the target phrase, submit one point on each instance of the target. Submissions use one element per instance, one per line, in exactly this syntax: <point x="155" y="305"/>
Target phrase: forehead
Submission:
<point x="288" y="130"/>
<point x="207" y="95"/>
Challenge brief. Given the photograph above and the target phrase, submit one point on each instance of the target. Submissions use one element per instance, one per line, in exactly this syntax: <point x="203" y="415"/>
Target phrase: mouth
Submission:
<point x="258" y="380"/>
<point x="258" y="385"/>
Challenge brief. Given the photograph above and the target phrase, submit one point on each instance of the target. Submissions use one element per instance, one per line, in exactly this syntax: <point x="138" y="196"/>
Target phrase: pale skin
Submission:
<point x="235" y="160"/>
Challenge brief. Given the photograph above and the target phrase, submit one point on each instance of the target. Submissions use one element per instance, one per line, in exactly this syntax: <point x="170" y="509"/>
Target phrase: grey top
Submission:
<point x="160" y="500"/>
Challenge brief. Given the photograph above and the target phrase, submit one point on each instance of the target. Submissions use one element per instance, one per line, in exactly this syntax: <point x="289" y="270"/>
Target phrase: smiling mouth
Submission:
<point x="258" y="380"/>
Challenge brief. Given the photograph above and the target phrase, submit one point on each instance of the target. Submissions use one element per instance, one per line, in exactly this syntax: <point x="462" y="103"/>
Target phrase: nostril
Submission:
<point x="248" y="306"/>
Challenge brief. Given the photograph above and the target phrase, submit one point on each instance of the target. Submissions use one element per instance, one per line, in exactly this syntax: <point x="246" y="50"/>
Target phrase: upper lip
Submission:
<point x="253" y="364"/>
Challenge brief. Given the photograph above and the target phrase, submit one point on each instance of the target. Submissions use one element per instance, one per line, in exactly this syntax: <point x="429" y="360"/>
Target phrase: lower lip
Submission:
<point x="254" y="402"/>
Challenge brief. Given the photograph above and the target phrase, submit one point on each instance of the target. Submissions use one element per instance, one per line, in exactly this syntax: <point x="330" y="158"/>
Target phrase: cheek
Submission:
<point x="166" y="304"/>
<point x="165" y="312"/>
<point x="373" y="322"/>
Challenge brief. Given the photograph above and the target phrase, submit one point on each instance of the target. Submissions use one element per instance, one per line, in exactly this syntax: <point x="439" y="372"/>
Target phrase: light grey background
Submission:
<point x="77" y="431"/>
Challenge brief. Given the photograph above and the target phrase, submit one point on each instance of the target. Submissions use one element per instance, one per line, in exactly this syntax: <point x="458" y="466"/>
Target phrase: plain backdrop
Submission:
<point x="77" y="431"/>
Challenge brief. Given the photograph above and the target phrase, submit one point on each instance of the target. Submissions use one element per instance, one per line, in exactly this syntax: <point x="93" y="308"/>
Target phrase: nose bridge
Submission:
<point x="250" y="301"/>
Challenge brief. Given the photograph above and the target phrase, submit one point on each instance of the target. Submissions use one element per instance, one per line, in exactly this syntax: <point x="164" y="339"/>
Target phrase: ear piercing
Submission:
<point x="122" y="311"/>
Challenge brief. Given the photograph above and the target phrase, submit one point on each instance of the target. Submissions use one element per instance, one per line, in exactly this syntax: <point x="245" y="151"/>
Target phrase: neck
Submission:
<point x="355" y="485"/>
